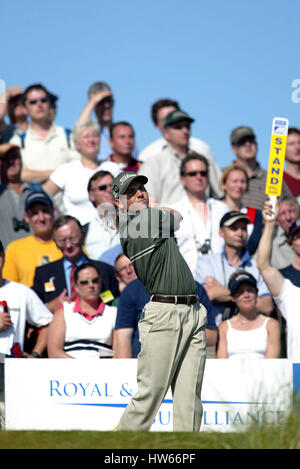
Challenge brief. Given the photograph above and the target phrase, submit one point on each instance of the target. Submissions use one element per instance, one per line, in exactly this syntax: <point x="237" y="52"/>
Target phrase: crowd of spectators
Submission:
<point x="66" y="288"/>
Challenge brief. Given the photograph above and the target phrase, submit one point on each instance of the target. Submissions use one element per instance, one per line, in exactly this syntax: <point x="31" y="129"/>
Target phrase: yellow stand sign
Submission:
<point x="276" y="158"/>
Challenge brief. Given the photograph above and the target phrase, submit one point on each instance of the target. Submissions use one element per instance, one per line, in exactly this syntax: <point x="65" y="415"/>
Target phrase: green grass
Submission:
<point x="285" y="436"/>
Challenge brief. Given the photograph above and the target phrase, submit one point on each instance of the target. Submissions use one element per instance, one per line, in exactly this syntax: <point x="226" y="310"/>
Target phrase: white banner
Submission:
<point x="64" y="394"/>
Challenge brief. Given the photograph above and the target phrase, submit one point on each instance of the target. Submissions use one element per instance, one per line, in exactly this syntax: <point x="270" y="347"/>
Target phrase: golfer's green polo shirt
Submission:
<point x="147" y="239"/>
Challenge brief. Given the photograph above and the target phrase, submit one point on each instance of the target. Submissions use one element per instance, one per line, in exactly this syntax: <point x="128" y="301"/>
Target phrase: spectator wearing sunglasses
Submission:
<point x="163" y="169"/>
<point x="45" y="145"/>
<point x="85" y="327"/>
<point x="102" y="233"/>
<point x="71" y="179"/>
<point x="244" y="147"/>
<point x="198" y="233"/>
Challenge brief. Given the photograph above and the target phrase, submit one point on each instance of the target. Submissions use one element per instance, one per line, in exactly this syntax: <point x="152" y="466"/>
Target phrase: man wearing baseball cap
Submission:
<point x="244" y="147"/>
<point x="163" y="168"/>
<point x="172" y="327"/>
<point x="25" y="254"/>
<point x="214" y="270"/>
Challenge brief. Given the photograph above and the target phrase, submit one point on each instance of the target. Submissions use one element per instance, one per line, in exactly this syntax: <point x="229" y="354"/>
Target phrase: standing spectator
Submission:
<point x="22" y="305"/>
<point x="11" y="104"/>
<point x="292" y="271"/>
<point x="249" y="334"/>
<point x="198" y="233"/>
<point x="100" y="101"/>
<point x="234" y="184"/>
<point x="45" y="145"/>
<point x="282" y="252"/>
<point x="25" y="254"/>
<point x="72" y="178"/>
<point x="13" y="193"/>
<point x="163" y="169"/>
<point x="85" y="327"/>
<point x="159" y="111"/>
<point x="285" y="294"/>
<point x="54" y="282"/>
<point x="291" y="173"/>
<point x="101" y="234"/>
<point x="214" y="270"/>
<point x="244" y="147"/>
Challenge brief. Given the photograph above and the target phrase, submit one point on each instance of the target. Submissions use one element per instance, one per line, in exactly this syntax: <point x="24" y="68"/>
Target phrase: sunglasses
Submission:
<point x="103" y="187"/>
<point x="40" y="100"/>
<point x="94" y="281"/>
<point x="181" y="126"/>
<point x="194" y="173"/>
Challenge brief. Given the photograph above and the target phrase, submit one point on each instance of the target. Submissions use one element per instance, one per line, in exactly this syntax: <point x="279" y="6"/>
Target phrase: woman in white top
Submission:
<point x="248" y="334"/>
<point x="85" y="327"/>
<point x="234" y="184"/>
<point x="72" y="178"/>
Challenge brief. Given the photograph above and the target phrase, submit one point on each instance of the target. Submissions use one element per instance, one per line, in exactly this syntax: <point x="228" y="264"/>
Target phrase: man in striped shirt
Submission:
<point x="172" y="325"/>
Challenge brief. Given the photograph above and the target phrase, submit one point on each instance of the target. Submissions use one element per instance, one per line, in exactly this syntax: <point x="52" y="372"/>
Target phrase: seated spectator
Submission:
<point x="122" y="142"/>
<point x="124" y="271"/>
<point x="292" y="271"/>
<point x="213" y="270"/>
<point x="54" y="282"/>
<point x="83" y="328"/>
<point x="159" y="111"/>
<point x="11" y="105"/>
<point x="13" y="193"/>
<point x="101" y="234"/>
<point x="244" y="147"/>
<point x="131" y="304"/>
<point x="18" y="305"/>
<point x="234" y="184"/>
<point x="100" y="102"/>
<point x="25" y="254"/>
<point x="291" y="173"/>
<point x="282" y="252"/>
<point x="45" y="145"/>
<point x="285" y="294"/>
<point x="249" y="334"/>
<point x="198" y="233"/>
<point x="72" y="178"/>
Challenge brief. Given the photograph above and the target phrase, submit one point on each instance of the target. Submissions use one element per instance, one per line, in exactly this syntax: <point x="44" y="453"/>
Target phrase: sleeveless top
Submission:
<point x="89" y="338"/>
<point x="247" y="344"/>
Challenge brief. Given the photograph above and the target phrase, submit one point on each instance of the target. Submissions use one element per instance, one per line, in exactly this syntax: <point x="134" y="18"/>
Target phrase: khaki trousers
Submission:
<point x="173" y="353"/>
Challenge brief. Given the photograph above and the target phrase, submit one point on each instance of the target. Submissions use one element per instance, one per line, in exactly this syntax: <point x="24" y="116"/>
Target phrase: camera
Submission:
<point x="205" y="248"/>
<point x="20" y="224"/>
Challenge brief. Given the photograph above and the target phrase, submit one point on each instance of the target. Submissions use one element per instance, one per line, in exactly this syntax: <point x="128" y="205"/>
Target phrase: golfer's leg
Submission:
<point x="158" y="335"/>
<point x="186" y="387"/>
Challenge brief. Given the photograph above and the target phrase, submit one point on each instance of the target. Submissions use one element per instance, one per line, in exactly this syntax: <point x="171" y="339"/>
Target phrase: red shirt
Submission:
<point x="78" y="309"/>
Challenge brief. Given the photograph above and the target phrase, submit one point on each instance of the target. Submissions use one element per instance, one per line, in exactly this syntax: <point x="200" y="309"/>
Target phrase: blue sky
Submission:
<point x="227" y="63"/>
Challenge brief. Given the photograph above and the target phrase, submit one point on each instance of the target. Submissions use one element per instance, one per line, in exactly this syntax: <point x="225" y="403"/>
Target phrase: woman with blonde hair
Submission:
<point x="234" y="184"/>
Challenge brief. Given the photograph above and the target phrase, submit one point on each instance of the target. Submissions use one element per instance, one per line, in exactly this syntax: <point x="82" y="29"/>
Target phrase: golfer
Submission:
<point x="172" y="325"/>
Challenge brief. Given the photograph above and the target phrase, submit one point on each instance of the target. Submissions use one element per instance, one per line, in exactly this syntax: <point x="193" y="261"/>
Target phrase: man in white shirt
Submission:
<point x="45" y="145"/>
<point x="159" y="111"/>
<point x="198" y="233"/>
<point x="285" y="294"/>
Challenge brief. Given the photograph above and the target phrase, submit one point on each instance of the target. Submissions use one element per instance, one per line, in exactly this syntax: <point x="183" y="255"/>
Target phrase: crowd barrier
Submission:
<point x="64" y="394"/>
